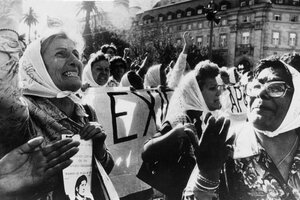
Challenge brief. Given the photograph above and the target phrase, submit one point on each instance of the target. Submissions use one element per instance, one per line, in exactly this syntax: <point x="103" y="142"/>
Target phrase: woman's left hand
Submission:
<point x="93" y="130"/>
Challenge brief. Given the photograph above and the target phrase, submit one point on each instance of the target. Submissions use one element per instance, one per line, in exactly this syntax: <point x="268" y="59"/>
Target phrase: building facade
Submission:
<point x="248" y="30"/>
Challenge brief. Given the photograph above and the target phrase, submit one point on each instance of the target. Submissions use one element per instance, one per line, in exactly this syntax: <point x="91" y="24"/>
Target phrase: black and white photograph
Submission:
<point x="149" y="100"/>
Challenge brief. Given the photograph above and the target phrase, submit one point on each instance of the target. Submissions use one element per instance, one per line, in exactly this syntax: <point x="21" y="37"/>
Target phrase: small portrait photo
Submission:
<point x="82" y="192"/>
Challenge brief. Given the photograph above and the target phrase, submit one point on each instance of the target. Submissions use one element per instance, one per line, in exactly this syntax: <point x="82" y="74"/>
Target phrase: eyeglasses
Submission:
<point x="274" y="89"/>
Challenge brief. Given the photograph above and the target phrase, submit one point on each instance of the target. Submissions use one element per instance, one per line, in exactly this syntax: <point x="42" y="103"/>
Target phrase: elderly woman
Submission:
<point x="197" y="93"/>
<point x="96" y="72"/>
<point x="50" y="73"/>
<point x="265" y="162"/>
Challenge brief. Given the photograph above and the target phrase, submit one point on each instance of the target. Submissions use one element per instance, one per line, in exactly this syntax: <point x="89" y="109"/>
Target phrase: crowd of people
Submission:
<point x="237" y="131"/>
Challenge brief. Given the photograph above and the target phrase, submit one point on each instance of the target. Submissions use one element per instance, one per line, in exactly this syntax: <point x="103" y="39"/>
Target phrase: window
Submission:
<point x="169" y="17"/>
<point x="245" y="37"/>
<point x="194" y="25"/>
<point x="200" y="25"/>
<point x="207" y="40"/>
<point x="251" y="2"/>
<point x="160" y="18"/>
<point x="293" y="18"/>
<point x="199" y="41"/>
<point x="223" y="40"/>
<point x="213" y="40"/>
<point x="246" y="18"/>
<point x="243" y="3"/>
<point x="275" y="38"/>
<point x="189" y="26"/>
<point x="179" y="15"/>
<point x="179" y="28"/>
<point x="189" y="13"/>
<point x="224" y="22"/>
<point x="292" y="39"/>
<point x="279" y="1"/>
<point x="199" y="11"/>
<point x="295" y="2"/>
<point x="207" y="24"/>
<point x="277" y="17"/>
<point x="224" y="7"/>
<point x="183" y="27"/>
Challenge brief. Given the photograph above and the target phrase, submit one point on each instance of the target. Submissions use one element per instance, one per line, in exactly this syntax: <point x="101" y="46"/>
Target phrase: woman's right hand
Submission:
<point x="212" y="150"/>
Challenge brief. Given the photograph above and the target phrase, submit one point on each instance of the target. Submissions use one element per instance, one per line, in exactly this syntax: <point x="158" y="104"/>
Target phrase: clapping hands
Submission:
<point x="28" y="165"/>
<point x="213" y="148"/>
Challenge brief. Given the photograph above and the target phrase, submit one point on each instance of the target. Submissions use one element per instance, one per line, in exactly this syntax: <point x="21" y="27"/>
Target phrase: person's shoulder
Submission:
<point x="245" y="144"/>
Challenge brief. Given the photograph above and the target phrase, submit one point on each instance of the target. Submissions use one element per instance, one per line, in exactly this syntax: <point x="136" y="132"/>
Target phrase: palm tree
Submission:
<point x="89" y="7"/>
<point x="30" y="18"/>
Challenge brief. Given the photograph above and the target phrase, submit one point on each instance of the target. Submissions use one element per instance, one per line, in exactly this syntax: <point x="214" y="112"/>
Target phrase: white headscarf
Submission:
<point x="34" y="77"/>
<point x="152" y="77"/>
<point x="292" y="118"/>
<point x="187" y="96"/>
<point x="125" y="81"/>
<point x="87" y="76"/>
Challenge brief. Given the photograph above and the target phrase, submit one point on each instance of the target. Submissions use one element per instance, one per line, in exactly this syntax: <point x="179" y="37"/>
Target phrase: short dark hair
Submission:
<point x="78" y="182"/>
<point x="105" y="47"/>
<point x="117" y="59"/>
<point x="206" y="70"/>
<point x="275" y="63"/>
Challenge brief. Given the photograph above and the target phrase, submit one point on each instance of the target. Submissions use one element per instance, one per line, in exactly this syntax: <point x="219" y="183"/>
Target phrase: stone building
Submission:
<point x="248" y="30"/>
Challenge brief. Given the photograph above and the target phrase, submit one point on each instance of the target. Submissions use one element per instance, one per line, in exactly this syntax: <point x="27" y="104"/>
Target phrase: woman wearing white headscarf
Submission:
<point x="155" y="76"/>
<point x="50" y="74"/>
<point x="264" y="160"/>
<point x="196" y="94"/>
<point x="96" y="73"/>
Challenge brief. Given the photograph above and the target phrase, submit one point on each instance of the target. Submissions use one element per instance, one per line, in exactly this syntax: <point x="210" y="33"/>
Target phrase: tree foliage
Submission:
<point x="30" y="19"/>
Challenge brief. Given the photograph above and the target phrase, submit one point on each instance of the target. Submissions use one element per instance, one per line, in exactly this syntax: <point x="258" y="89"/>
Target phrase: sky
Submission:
<point x="65" y="10"/>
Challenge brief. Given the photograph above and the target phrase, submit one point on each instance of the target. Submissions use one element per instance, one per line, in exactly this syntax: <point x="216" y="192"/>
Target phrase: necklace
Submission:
<point x="289" y="153"/>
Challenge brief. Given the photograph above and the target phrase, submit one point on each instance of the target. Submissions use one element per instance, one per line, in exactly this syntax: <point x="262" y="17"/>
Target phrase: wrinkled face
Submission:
<point x="211" y="93"/>
<point x="63" y="65"/>
<point x="118" y="71"/>
<point x="267" y="113"/>
<point x="101" y="72"/>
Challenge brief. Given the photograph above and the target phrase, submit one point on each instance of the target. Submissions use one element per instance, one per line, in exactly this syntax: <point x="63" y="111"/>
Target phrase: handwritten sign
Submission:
<point x="129" y="118"/>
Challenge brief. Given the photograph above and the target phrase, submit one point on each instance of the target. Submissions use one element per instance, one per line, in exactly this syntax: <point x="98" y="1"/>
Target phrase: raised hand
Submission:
<point x="213" y="149"/>
<point x="28" y="165"/>
<point x="188" y="39"/>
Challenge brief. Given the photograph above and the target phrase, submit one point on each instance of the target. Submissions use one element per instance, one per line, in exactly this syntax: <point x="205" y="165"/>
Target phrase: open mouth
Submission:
<point x="71" y="74"/>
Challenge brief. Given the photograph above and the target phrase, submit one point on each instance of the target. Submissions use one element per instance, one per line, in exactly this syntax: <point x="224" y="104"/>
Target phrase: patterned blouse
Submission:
<point x="22" y="118"/>
<point x="254" y="176"/>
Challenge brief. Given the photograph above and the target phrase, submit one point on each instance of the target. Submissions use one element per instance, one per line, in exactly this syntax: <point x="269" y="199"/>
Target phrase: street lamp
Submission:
<point x="210" y="14"/>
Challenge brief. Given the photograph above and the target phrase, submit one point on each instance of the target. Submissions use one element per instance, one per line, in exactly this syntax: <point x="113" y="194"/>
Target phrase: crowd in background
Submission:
<point x="235" y="132"/>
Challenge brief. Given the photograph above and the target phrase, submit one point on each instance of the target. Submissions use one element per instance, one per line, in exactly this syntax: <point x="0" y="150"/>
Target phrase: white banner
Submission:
<point x="129" y="118"/>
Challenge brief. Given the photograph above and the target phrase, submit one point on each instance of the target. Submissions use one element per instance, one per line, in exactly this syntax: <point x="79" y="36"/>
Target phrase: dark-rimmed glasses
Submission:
<point x="274" y="89"/>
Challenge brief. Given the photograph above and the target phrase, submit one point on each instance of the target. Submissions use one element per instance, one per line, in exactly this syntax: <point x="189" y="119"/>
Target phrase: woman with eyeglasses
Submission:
<point x="264" y="160"/>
